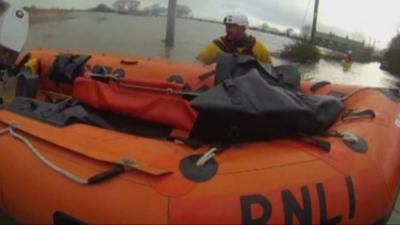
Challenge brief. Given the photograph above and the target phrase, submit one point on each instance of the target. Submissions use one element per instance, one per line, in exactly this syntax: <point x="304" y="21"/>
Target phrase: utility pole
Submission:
<point x="170" y="36"/>
<point x="314" y="25"/>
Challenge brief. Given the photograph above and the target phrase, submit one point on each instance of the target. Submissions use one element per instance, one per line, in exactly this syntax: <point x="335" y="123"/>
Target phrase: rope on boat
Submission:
<point x="142" y="87"/>
<point x="206" y="157"/>
<point x="37" y="153"/>
<point x="162" y="90"/>
<point x="110" y="76"/>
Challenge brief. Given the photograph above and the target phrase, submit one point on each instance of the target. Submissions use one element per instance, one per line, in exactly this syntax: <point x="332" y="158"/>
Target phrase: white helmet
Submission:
<point x="240" y="20"/>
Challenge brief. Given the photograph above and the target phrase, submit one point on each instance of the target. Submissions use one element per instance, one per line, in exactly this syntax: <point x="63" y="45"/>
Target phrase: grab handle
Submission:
<point x="128" y="62"/>
<point x="368" y="113"/>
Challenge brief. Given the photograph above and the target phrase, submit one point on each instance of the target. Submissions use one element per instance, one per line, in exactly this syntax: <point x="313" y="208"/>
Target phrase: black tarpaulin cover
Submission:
<point x="251" y="103"/>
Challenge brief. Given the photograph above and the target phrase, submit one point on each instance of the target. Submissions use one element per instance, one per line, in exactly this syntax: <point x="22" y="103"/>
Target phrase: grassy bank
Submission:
<point x="302" y="52"/>
<point x="391" y="59"/>
<point x="47" y="15"/>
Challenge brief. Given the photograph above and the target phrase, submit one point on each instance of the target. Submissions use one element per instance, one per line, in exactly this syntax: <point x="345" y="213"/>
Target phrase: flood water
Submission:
<point x="106" y="32"/>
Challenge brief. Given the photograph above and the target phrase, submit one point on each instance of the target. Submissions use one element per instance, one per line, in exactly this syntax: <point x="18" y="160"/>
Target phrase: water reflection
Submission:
<point x="359" y="74"/>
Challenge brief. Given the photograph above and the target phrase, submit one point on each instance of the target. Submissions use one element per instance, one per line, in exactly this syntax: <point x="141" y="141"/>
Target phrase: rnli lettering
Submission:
<point x="247" y="201"/>
<point x="295" y="209"/>
<point x="323" y="210"/>
<point x="292" y="207"/>
<point x="352" y="197"/>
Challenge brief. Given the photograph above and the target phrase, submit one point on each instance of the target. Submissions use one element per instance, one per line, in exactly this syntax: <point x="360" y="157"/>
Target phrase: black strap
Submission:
<point x="337" y="94"/>
<point x="221" y="45"/>
<point x="206" y="75"/>
<point x="315" y="87"/>
<point x="324" y="145"/>
<point x="106" y="174"/>
<point x="99" y="121"/>
<point x="225" y="47"/>
<point x="251" y="42"/>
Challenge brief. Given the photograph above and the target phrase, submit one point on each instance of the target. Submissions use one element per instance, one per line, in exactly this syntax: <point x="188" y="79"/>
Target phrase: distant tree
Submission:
<point x="183" y="11"/>
<point x="302" y="52"/>
<point x="126" y="5"/>
<point x="102" y="8"/>
<point x="289" y="32"/>
<point x="156" y="10"/>
<point x="3" y="5"/>
<point x="358" y="36"/>
<point x="398" y="28"/>
<point x="265" y="26"/>
<point x="392" y="56"/>
<point x="395" y="43"/>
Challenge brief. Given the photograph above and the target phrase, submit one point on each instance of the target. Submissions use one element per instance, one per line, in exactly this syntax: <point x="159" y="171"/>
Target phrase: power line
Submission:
<point x="305" y="15"/>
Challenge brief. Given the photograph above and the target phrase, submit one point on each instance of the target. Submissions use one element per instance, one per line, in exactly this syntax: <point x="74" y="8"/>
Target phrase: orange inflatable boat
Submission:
<point x="79" y="173"/>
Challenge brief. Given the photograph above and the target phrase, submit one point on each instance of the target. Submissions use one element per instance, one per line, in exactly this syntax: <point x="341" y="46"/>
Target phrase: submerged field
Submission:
<point x="37" y="16"/>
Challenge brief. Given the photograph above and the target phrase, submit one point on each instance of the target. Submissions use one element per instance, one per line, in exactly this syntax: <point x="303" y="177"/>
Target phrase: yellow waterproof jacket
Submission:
<point x="254" y="48"/>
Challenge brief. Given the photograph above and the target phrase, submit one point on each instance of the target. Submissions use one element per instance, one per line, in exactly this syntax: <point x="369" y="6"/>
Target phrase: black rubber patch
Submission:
<point x="358" y="145"/>
<point x="315" y="87"/>
<point x="392" y="94"/>
<point x="176" y="79"/>
<point x="195" y="173"/>
<point x="337" y="94"/>
<point x="60" y="218"/>
<point x="120" y="72"/>
<point x="19" y="14"/>
<point x="102" y="69"/>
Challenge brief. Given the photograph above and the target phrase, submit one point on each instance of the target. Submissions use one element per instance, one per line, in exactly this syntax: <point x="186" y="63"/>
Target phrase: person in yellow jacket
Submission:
<point x="235" y="41"/>
<point x="347" y="60"/>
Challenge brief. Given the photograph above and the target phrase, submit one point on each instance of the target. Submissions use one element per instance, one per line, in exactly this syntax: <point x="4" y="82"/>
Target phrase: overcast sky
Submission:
<point x="371" y="20"/>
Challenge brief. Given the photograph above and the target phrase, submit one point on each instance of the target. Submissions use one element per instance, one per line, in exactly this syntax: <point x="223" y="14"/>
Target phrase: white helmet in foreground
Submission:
<point x="238" y="19"/>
